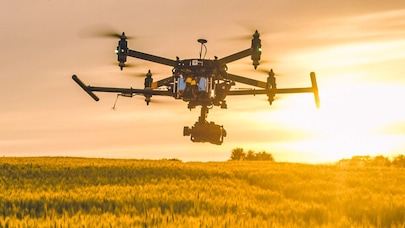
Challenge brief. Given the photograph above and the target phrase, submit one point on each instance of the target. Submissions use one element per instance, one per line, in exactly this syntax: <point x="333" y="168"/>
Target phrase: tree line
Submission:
<point x="239" y="155"/>
<point x="380" y="160"/>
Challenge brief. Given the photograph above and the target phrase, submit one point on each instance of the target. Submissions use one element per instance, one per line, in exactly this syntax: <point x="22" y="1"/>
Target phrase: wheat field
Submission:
<point x="89" y="192"/>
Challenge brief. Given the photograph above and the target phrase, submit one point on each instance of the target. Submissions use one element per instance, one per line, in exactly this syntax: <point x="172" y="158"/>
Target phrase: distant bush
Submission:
<point x="172" y="159"/>
<point x="399" y="161"/>
<point x="239" y="155"/>
<point x="380" y="160"/>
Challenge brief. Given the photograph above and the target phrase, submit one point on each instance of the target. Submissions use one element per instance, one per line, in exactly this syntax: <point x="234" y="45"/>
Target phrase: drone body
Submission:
<point x="199" y="82"/>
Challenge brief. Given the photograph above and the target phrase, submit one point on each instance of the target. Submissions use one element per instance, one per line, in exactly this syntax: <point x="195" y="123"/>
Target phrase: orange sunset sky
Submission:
<point x="356" y="48"/>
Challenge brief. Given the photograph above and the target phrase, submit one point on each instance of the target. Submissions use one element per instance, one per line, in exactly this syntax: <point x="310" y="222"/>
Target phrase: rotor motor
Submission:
<point x="256" y="49"/>
<point x="122" y="51"/>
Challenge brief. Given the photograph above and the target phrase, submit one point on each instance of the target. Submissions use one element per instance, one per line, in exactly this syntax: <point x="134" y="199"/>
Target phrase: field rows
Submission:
<point x="71" y="192"/>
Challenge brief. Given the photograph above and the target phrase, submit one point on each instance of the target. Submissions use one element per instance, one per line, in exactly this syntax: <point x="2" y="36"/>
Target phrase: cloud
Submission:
<point x="370" y="27"/>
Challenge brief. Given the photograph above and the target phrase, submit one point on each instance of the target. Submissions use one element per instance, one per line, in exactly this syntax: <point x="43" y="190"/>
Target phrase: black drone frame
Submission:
<point x="214" y="70"/>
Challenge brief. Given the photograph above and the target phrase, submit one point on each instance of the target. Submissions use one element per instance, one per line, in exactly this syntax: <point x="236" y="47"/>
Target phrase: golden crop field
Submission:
<point x="84" y="192"/>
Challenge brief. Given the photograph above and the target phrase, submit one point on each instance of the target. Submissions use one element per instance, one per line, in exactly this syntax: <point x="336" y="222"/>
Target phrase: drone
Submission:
<point x="199" y="82"/>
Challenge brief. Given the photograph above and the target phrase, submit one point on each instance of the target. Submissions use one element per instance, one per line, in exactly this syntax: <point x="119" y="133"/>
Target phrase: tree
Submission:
<point x="380" y="161"/>
<point x="366" y="160"/>
<point x="251" y="156"/>
<point x="399" y="161"/>
<point x="264" y="156"/>
<point x="238" y="154"/>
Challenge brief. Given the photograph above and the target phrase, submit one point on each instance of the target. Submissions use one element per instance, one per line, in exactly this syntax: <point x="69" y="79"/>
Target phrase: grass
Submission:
<point x="81" y="192"/>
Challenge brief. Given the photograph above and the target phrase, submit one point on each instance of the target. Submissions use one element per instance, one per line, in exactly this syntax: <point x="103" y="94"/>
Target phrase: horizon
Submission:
<point x="354" y="157"/>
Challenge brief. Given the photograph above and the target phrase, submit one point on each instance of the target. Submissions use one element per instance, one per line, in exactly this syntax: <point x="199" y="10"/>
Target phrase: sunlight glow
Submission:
<point x="348" y="122"/>
<point x="354" y="53"/>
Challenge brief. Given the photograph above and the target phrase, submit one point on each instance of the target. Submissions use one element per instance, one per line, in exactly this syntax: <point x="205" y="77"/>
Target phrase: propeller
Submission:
<point x="264" y="61"/>
<point x="130" y="65"/>
<point x="249" y="34"/>
<point x="142" y="75"/>
<point x="103" y="31"/>
<point x="268" y="72"/>
<point x="153" y="100"/>
<point x="111" y="34"/>
<point x="238" y="38"/>
<point x="139" y="75"/>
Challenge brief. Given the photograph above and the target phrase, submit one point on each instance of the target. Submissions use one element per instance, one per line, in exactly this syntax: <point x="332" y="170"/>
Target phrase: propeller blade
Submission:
<point x="103" y="31"/>
<point x="264" y="61"/>
<point x="248" y="36"/>
<point x="143" y="74"/>
<point x="157" y="101"/>
<point x="110" y="34"/>
<point x="153" y="100"/>
<point x="140" y="75"/>
<point x="262" y="70"/>
<point x="238" y="38"/>
<point x="130" y="65"/>
<point x="268" y="71"/>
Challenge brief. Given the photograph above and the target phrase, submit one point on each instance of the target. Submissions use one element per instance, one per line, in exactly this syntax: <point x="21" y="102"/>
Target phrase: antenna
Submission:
<point x="202" y="42"/>
<point x="115" y="103"/>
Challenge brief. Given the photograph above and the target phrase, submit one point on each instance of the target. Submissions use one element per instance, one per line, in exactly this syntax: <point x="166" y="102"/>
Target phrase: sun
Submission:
<point x="348" y="123"/>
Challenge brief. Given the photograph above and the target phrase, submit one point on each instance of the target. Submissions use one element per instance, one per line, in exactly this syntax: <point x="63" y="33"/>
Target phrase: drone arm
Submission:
<point x="126" y="91"/>
<point x="247" y="81"/>
<point x="151" y="58"/>
<point x="246" y="92"/>
<point x="129" y="91"/>
<point x="236" y="56"/>
<point x="313" y="89"/>
<point x="162" y="82"/>
<point x="85" y="88"/>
